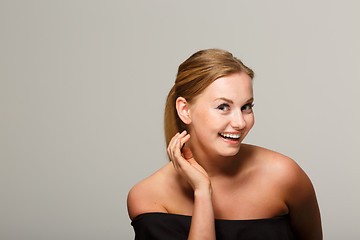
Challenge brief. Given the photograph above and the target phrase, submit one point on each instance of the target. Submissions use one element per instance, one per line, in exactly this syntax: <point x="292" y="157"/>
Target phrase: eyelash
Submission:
<point x="250" y="105"/>
<point x="222" y="106"/>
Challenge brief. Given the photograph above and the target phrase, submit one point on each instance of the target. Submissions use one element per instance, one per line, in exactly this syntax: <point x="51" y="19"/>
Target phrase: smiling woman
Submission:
<point x="216" y="187"/>
<point x="220" y="117"/>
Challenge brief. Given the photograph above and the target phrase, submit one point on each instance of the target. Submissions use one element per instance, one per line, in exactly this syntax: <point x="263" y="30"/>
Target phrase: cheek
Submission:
<point x="250" y="120"/>
<point x="202" y="116"/>
<point x="205" y="122"/>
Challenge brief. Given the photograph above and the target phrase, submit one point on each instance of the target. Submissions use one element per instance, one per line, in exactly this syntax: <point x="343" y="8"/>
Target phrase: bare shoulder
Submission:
<point x="146" y="195"/>
<point x="283" y="172"/>
<point x="295" y="187"/>
<point x="289" y="175"/>
<point x="280" y="167"/>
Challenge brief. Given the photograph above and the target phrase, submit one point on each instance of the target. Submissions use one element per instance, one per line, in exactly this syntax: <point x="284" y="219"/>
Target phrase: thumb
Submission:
<point x="187" y="153"/>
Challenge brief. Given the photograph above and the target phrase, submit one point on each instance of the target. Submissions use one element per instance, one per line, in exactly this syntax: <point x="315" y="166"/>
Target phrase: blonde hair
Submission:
<point x="194" y="75"/>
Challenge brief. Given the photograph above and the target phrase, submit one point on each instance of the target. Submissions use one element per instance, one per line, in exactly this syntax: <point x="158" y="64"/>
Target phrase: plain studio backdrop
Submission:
<point x="83" y="87"/>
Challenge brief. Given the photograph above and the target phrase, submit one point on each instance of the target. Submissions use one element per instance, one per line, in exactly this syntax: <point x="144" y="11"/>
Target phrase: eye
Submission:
<point x="224" y="107"/>
<point x="248" y="107"/>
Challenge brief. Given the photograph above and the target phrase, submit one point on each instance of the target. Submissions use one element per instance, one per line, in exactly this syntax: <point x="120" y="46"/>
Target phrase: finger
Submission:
<point x="172" y="142"/>
<point x="187" y="153"/>
<point x="183" y="141"/>
<point x="183" y="133"/>
<point x="171" y="147"/>
<point x="177" y="155"/>
<point x="173" y="154"/>
<point x="174" y="148"/>
<point x="182" y="137"/>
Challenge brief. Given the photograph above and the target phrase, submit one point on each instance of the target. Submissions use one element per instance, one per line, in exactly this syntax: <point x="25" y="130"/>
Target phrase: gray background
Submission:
<point x="83" y="87"/>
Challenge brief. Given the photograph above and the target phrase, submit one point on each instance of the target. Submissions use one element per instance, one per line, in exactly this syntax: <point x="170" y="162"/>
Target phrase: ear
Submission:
<point x="183" y="110"/>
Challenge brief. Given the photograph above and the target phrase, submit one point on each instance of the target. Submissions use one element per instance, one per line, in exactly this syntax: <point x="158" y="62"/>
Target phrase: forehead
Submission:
<point x="237" y="87"/>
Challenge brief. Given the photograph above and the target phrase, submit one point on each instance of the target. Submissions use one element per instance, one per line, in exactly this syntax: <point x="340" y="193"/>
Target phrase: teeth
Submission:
<point x="230" y="135"/>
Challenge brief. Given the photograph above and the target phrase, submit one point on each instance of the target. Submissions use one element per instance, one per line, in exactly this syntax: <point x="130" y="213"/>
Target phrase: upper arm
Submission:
<point x="142" y="198"/>
<point x="299" y="196"/>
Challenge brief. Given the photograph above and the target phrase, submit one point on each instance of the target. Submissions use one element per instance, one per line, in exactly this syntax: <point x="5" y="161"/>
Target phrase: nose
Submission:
<point x="238" y="121"/>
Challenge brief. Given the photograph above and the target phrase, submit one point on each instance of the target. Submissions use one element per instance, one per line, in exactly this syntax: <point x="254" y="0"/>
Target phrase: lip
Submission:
<point x="231" y="132"/>
<point x="231" y="141"/>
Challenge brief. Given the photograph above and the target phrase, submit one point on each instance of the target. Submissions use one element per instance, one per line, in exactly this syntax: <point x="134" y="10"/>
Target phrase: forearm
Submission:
<point x="202" y="223"/>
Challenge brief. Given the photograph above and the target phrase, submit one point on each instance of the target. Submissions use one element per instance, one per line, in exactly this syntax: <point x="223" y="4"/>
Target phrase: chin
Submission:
<point x="229" y="152"/>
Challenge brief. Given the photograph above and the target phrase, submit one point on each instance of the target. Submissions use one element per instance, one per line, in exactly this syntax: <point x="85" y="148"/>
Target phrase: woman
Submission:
<point x="216" y="187"/>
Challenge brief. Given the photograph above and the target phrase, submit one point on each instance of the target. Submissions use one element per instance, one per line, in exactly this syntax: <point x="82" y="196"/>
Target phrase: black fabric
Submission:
<point x="165" y="226"/>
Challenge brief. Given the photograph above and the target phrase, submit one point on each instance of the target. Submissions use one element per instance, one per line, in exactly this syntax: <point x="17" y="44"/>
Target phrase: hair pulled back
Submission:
<point x="194" y="75"/>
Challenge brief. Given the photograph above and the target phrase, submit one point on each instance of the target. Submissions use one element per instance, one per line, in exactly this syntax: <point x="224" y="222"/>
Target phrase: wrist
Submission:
<point x="203" y="191"/>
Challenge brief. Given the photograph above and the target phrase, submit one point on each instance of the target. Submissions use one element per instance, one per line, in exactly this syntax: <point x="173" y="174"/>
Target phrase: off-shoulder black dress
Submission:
<point x="166" y="226"/>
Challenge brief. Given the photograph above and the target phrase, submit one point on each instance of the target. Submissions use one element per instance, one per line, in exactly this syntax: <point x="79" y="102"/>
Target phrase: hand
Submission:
<point x="185" y="164"/>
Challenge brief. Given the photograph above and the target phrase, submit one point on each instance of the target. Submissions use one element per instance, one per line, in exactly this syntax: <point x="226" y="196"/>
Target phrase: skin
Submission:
<point x="217" y="178"/>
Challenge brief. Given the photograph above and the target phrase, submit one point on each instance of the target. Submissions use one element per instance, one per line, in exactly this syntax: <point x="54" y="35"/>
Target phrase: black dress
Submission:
<point x="166" y="226"/>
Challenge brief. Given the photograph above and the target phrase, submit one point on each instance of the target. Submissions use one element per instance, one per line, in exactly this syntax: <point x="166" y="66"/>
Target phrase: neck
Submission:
<point x="216" y="165"/>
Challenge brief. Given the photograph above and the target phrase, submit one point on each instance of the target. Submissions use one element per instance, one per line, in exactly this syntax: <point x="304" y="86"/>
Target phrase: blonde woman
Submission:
<point x="215" y="186"/>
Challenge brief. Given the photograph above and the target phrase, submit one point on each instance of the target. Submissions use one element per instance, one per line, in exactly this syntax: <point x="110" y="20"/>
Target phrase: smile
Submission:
<point x="231" y="136"/>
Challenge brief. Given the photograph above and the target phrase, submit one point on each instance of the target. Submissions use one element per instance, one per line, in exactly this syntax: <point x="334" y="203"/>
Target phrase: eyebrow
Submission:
<point x="230" y="101"/>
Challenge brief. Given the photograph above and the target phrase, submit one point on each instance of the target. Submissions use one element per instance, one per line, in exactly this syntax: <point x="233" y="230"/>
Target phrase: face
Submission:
<point x="221" y="116"/>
